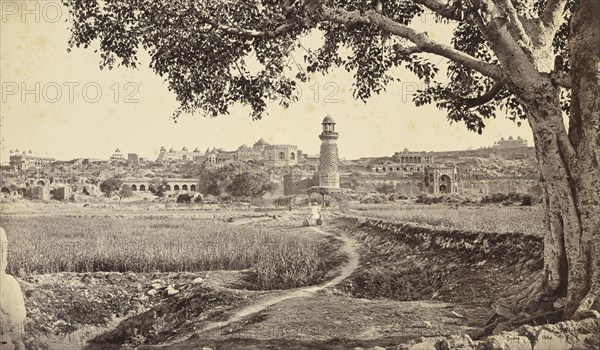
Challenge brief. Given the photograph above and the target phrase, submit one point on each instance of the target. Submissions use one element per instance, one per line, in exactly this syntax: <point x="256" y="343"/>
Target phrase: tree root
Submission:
<point x="497" y="324"/>
<point x="536" y="300"/>
<point x="584" y="310"/>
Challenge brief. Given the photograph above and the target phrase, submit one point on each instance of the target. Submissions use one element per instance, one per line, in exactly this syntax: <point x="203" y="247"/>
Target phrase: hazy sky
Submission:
<point x="83" y="111"/>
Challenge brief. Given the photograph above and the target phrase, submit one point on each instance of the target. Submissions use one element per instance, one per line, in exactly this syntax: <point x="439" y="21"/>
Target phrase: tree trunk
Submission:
<point x="553" y="156"/>
<point x="569" y="170"/>
<point x="584" y="132"/>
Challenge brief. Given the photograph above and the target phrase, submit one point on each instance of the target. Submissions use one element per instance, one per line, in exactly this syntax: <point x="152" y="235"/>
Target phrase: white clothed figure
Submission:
<point x="12" y="304"/>
<point x="315" y="212"/>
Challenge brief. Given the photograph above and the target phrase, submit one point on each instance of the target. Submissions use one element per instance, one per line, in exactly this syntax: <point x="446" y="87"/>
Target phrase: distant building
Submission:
<point x="280" y="155"/>
<point x="412" y="158"/>
<point x="61" y="193"/>
<point x="440" y="179"/>
<point x="24" y="161"/>
<point x="117" y="156"/>
<point x="171" y="184"/>
<point x="404" y="162"/>
<point x="184" y="155"/>
<point x="133" y="158"/>
<point x="39" y="192"/>
<point x="510" y="143"/>
<point x="261" y="151"/>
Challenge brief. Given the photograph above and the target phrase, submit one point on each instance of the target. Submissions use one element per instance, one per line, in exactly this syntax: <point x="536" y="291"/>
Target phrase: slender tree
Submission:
<point x="537" y="59"/>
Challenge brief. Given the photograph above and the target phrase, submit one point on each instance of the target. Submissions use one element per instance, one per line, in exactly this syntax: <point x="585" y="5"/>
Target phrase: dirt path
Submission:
<point x="348" y="248"/>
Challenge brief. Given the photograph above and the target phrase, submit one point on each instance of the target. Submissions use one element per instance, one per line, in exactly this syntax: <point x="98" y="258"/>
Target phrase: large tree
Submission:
<point x="249" y="184"/>
<point x="537" y="59"/>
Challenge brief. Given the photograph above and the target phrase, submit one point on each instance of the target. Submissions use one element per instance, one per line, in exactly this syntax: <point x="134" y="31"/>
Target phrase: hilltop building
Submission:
<point x="26" y="160"/>
<point x="117" y="156"/>
<point x="414" y="159"/>
<point x="510" y="143"/>
<point x="405" y="162"/>
<point x="183" y="155"/>
<point x="261" y="152"/>
<point x="133" y="159"/>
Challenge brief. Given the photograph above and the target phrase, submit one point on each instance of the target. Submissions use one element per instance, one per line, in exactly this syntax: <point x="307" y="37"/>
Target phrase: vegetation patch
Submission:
<point x="163" y="244"/>
<point x="410" y="262"/>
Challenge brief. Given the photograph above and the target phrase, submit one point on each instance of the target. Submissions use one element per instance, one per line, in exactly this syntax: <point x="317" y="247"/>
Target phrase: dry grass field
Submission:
<point x="486" y="218"/>
<point x="161" y="244"/>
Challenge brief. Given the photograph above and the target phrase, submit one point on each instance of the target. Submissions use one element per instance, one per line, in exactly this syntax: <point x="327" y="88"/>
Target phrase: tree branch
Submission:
<point x="552" y="17"/>
<point x="483" y="99"/>
<point x="561" y="78"/>
<point x="421" y="40"/>
<point x="251" y="33"/>
<point x="522" y="37"/>
<point x="446" y="10"/>
<point x="406" y="50"/>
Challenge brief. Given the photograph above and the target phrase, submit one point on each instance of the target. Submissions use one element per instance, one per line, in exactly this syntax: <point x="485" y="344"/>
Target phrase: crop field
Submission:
<point x="40" y="245"/>
<point x="494" y="219"/>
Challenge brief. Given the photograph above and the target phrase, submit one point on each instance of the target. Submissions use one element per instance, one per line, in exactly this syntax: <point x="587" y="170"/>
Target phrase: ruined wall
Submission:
<point x="480" y="245"/>
<point x="498" y="185"/>
<point x="296" y="185"/>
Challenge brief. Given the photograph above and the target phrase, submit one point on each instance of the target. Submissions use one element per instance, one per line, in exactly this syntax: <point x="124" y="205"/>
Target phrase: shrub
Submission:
<point x="527" y="200"/>
<point x="386" y="188"/>
<point x="425" y="199"/>
<point x="508" y="198"/>
<point x="184" y="198"/>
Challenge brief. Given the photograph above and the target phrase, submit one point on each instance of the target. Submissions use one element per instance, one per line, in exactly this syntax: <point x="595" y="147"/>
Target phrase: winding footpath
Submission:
<point x="349" y="248"/>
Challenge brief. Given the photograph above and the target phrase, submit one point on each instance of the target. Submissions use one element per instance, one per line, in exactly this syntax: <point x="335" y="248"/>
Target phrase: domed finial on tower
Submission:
<point x="328" y="120"/>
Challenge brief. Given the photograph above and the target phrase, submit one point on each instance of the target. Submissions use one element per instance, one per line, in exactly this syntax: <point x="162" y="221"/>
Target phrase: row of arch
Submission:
<point x="184" y="187"/>
<point x="384" y="169"/>
<point x="282" y="156"/>
<point x="413" y="160"/>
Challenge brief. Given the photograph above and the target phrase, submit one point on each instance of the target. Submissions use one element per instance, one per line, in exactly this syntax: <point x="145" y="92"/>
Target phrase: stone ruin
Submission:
<point x="12" y="304"/>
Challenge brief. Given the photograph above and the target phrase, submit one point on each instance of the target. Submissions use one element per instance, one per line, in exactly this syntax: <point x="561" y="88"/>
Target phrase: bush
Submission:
<point x="184" y="198"/>
<point x="396" y="196"/>
<point x="527" y="200"/>
<point x="508" y="198"/>
<point x="425" y="199"/>
<point x="373" y="199"/>
<point x="283" y="201"/>
<point x="386" y="188"/>
<point x="198" y="199"/>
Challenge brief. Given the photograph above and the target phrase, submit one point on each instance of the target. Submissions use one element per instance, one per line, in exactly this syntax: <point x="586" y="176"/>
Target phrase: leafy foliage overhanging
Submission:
<point x="208" y="51"/>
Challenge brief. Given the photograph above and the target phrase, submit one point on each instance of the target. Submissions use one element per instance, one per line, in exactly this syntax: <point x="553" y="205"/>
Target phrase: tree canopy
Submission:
<point x="214" y="54"/>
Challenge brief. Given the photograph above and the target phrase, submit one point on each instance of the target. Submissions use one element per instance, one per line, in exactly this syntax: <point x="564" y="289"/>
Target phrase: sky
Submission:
<point x="61" y="105"/>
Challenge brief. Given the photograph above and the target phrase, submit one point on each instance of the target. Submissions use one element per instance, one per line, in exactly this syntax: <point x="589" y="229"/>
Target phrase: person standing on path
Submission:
<point x="315" y="213"/>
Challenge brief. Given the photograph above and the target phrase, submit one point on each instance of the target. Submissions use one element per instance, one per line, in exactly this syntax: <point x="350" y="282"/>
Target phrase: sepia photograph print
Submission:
<point x="300" y="174"/>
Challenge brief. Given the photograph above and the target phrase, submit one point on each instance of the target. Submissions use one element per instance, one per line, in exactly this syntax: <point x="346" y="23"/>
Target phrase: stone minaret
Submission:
<point x="328" y="165"/>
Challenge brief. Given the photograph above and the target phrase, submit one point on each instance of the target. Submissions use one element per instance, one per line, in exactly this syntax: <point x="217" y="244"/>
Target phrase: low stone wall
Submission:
<point x="481" y="245"/>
